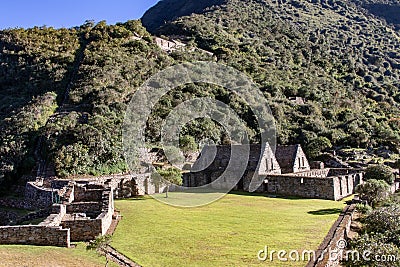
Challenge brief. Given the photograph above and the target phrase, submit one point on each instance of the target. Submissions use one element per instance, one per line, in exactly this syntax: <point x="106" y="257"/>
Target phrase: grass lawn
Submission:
<point x="228" y="232"/>
<point x="50" y="257"/>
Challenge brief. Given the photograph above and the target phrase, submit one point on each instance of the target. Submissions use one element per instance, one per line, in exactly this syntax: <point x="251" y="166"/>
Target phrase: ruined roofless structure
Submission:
<point x="286" y="172"/>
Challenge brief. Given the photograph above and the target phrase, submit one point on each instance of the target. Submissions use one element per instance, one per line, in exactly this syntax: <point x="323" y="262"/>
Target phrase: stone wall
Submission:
<point x="83" y="229"/>
<point x="124" y="185"/>
<point x="88" y="195"/>
<point x="343" y="171"/>
<point x="345" y="185"/>
<point x="309" y="184"/>
<point x="87" y="220"/>
<point x="107" y="211"/>
<point x="331" y="245"/>
<point x="219" y="180"/>
<point x="319" y="173"/>
<point x="85" y="207"/>
<point x="308" y="187"/>
<point x="57" y="214"/>
<point x="34" y="235"/>
<point x="302" y="185"/>
<point x="38" y="197"/>
<point x="86" y="213"/>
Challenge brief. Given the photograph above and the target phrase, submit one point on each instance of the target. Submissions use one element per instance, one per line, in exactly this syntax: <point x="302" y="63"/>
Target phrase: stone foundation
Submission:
<point x="85" y="213"/>
<point x="35" y="235"/>
<point x="314" y="184"/>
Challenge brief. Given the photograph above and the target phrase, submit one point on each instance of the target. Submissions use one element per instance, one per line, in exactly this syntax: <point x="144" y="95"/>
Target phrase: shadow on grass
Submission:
<point x="325" y="211"/>
<point x="137" y="198"/>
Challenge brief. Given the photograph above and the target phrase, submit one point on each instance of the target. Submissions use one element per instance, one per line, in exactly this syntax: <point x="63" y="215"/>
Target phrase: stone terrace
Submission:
<point x="85" y="212"/>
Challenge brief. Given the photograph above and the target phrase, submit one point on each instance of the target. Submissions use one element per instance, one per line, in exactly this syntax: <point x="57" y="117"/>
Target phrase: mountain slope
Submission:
<point x="157" y="16"/>
<point x="344" y="61"/>
<point x="64" y="92"/>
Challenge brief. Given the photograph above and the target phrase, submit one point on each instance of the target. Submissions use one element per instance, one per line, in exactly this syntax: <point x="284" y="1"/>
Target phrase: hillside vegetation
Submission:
<point x="341" y="59"/>
<point x="64" y="92"/>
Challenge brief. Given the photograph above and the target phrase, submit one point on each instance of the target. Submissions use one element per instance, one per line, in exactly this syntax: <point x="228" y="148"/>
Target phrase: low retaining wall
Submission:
<point x="333" y="242"/>
<point x="34" y="235"/>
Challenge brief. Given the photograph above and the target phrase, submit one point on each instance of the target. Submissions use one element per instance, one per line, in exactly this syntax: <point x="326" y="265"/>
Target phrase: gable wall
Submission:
<point x="301" y="163"/>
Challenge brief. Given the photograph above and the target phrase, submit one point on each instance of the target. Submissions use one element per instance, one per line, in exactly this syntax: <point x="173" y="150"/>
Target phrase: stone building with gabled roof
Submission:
<point x="292" y="159"/>
<point x="214" y="160"/>
<point x="283" y="172"/>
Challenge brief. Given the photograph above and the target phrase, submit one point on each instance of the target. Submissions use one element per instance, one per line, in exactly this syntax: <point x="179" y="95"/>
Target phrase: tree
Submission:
<point x="168" y="176"/>
<point x="379" y="172"/>
<point x="100" y="244"/>
<point x="316" y="146"/>
<point x="373" y="191"/>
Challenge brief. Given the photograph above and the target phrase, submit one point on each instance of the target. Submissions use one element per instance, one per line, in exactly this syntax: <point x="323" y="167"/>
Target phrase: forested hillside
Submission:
<point x="64" y="92"/>
<point x="34" y="67"/>
<point x="343" y="60"/>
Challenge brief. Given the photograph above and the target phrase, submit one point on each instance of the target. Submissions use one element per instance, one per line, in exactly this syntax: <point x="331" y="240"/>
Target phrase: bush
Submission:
<point x="167" y="176"/>
<point x="364" y="209"/>
<point x="371" y="250"/>
<point x="384" y="219"/>
<point x="188" y="144"/>
<point x="316" y="146"/>
<point x="373" y="191"/>
<point x="379" y="172"/>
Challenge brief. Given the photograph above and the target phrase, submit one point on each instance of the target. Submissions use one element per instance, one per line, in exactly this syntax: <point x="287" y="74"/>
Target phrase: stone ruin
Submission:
<point x="285" y="171"/>
<point x="82" y="209"/>
<point x="80" y="212"/>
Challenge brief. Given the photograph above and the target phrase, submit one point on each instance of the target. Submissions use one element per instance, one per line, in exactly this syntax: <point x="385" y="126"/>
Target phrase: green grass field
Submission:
<point x="228" y="232"/>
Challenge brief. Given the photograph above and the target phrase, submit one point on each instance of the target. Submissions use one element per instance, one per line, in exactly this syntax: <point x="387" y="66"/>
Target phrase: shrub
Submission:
<point x="188" y="144"/>
<point x="379" y="172"/>
<point x="373" y="191"/>
<point x="167" y="176"/>
<point x="384" y="219"/>
<point x="364" y="209"/>
<point x="316" y="146"/>
<point x="371" y="250"/>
